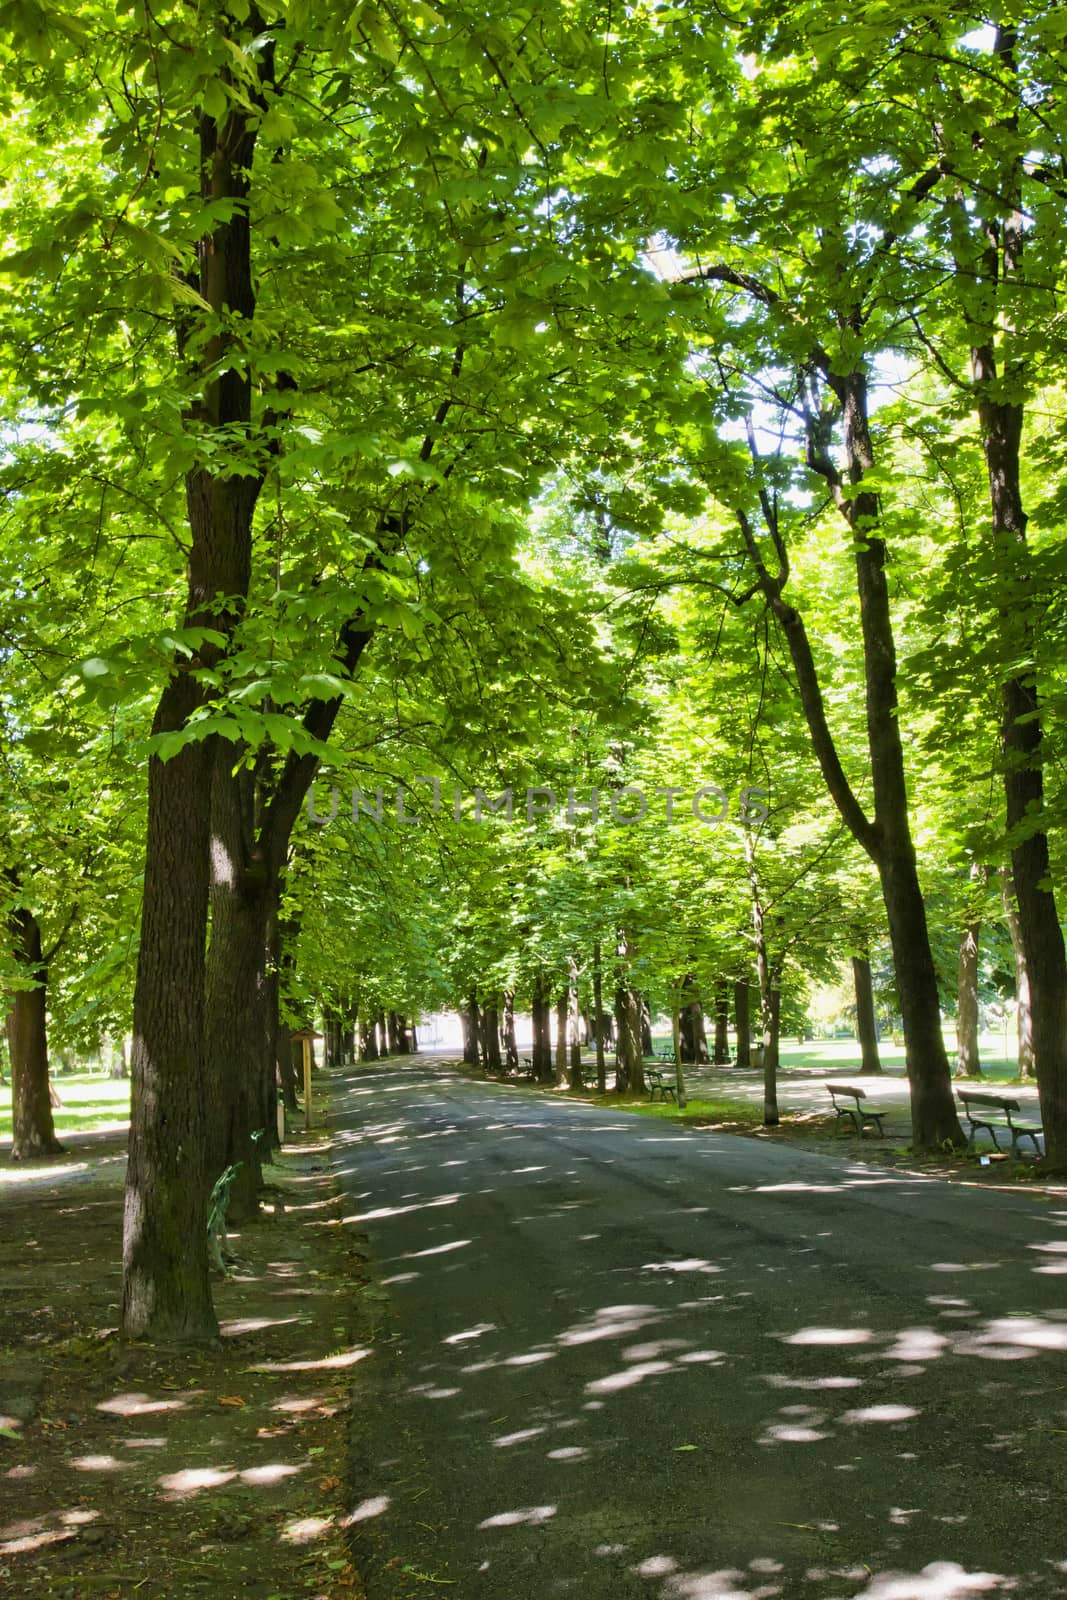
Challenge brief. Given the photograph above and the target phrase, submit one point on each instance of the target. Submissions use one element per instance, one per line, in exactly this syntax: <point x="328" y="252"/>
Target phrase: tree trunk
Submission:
<point x="491" y="1039"/>
<point x="967" y="1062"/>
<point x="542" y="1035"/>
<point x="283" y="934"/>
<point x="562" y="1012"/>
<point x="1023" y="1021"/>
<point x="694" y="1042"/>
<point x="33" y="1130"/>
<point x="721" y="1057"/>
<point x="120" y="1060"/>
<point x="598" y="1021"/>
<point x="676" y="1040"/>
<point x="574" y="1075"/>
<point x="629" y="1075"/>
<point x="368" y="1043"/>
<point x="383" y="1035"/>
<point x="647" y="1047"/>
<point x="468" y="1023"/>
<point x="768" y="991"/>
<point x="866" y="1027"/>
<point x="238" y="1031"/>
<point x="771" y="1021"/>
<point x="166" y="1291"/>
<point x="511" y="1049"/>
<point x="475" y="1032"/>
<point x="742" y="1028"/>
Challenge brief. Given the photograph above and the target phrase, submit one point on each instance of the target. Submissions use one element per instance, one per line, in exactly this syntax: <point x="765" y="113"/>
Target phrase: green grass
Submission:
<point x="732" y="1113"/>
<point x="89" y="1101"/>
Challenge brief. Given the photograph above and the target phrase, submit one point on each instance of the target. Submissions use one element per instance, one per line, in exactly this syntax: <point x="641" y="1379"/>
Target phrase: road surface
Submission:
<point x="615" y="1358"/>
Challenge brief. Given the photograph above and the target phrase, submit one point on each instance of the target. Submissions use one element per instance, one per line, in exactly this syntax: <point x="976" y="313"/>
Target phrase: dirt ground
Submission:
<point x="126" y="1472"/>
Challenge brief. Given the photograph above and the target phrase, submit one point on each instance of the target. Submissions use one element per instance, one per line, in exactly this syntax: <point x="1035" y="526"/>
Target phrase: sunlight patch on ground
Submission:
<point x="520" y="1437"/>
<point x="304" y="1529"/>
<point x="399" y="1211"/>
<point x="238" y="1325"/>
<point x="693" y="1264"/>
<point x="1014" y="1339"/>
<point x="886" y="1413"/>
<point x="193" y="1480"/>
<point x="375" y="1506"/>
<point x="629" y="1378"/>
<point x="612" y="1322"/>
<point x="272" y="1472"/>
<point x="470" y="1333"/>
<point x="344" y="1358"/>
<point x="828" y="1336"/>
<point x="138" y="1405"/>
<point x="941" y="1580"/>
<point x="436" y="1250"/>
<point x="513" y="1519"/>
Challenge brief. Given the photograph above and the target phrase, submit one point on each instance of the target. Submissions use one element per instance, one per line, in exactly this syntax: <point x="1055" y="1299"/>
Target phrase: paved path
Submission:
<point x="617" y="1358"/>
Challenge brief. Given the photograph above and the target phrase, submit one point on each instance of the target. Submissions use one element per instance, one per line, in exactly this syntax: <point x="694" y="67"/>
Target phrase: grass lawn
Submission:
<point x="843" y="1055"/>
<point x="89" y="1101"/>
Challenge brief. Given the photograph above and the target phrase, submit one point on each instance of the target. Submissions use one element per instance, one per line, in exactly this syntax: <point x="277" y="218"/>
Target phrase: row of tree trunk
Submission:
<point x="386" y="1033"/>
<point x="489" y="1031"/>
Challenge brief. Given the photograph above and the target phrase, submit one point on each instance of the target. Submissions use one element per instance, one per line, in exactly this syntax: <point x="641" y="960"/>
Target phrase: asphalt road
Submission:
<point x="614" y="1358"/>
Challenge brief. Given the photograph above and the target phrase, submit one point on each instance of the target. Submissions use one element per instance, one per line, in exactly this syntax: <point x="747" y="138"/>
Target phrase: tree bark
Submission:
<point x="541" y="1055"/>
<point x="629" y="1075"/>
<point x="166" y="1292"/>
<point x="866" y="1026"/>
<point x="237" y="1025"/>
<point x="574" y="1073"/>
<point x="511" y="1049"/>
<point x="1023" y="1019"/>
<point x="721" y="1055"/>
<point x="647" y="1048"/>
<point x="771" y="1026"/>
<point x="491" y="1032"/>
<point x="598" y="1021"/>
<point x="694" y="1044"/>
<point x="968" y="1064"/>
<point x="33" y="1129"/>
<point x="562" y="1013"/>
<point x="742" y="1026"/>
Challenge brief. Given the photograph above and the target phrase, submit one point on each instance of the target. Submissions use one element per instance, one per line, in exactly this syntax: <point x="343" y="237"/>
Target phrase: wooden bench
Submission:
<point x="858" y="1114"/>
<point x="656" y="1083"/>
<point x="1005" y="1106"/>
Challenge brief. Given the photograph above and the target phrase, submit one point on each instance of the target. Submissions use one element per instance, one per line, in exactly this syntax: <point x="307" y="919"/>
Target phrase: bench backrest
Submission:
<point x="847" y="1088"/>
<point x="981" y="1099"/>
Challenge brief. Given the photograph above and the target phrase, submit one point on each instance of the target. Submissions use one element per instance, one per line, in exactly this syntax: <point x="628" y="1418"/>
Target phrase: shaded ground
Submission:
<point x="216" y="1474"/>
<point x="627" y="1359"/>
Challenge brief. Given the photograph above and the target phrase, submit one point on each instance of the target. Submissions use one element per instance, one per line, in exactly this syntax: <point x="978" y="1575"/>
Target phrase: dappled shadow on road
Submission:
<point x="634" y="1361"/>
